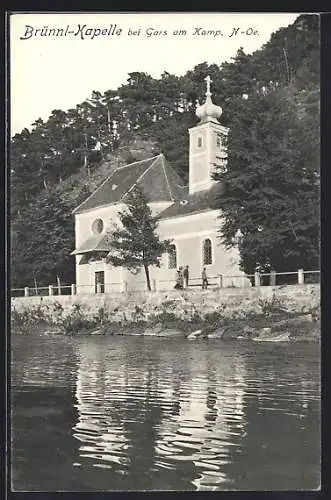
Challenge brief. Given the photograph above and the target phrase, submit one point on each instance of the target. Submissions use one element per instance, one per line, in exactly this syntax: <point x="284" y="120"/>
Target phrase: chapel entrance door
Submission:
<point x="100" y="282"/>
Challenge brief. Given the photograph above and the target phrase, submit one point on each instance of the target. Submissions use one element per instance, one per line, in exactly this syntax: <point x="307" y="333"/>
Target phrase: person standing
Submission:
<point x="181" y="278"/>
<point x="204" y="279"/>
<point x="186" y="276"/>
<point x="178" y="279"/>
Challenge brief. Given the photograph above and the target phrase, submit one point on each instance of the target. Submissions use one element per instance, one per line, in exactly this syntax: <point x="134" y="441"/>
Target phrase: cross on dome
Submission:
<point x="208" y="80"/>
<point x="208" y="111"/>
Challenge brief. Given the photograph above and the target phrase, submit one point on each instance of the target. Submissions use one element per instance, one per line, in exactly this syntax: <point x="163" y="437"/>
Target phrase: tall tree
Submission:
<point x="272" y="185"/>
<point x="43" y="238"/>
<point x="138" y="99"/>
<point x="136" y="244"/>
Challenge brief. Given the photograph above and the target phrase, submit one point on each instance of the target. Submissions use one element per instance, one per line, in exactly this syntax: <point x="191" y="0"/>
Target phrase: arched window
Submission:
<point x="172" y="257"/>
<point x="199" y="143"/>
<point x="207" y="257"/>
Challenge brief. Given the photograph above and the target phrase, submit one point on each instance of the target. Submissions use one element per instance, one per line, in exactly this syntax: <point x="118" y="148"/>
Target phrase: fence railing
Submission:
<point x="299" y="277"/>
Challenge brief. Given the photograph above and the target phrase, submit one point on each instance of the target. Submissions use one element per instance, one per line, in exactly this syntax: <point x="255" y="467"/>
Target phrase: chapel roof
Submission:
<point x="201" y="201"/>
<point x="157" y="179"/>
<point x="92" y="244"/>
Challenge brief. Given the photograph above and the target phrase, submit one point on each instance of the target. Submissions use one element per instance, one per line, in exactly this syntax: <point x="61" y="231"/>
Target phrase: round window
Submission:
<point x="97" y="226"/>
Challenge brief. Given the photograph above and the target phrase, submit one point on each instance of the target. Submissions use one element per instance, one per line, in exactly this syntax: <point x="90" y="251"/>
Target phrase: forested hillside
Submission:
<point x="57" y="163"/>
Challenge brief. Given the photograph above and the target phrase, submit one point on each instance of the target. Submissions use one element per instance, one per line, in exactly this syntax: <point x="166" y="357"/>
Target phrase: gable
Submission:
<point x="159" y="182"/>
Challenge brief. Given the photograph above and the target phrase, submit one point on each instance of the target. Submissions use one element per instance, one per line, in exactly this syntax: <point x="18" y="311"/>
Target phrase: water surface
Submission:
<point x="134" y="413"/>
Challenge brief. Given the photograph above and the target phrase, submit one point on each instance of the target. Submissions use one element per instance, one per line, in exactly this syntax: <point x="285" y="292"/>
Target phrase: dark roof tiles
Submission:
<point x="200" y="201"/>
<point x="159" y="182"/>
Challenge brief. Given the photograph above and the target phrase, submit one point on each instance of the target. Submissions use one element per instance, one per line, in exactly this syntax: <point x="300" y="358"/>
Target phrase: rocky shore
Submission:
<point x="268" y="321"/>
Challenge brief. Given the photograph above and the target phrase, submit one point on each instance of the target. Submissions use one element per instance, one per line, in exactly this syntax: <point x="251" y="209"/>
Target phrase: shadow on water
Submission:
<point x="163" y="414"/>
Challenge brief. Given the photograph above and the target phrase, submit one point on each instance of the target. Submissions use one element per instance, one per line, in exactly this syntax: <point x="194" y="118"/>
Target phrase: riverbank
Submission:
<point x="277" y="316"/>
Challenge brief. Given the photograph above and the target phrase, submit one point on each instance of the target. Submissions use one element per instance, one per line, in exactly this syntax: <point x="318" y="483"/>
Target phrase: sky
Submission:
<point x="54" y="69"/>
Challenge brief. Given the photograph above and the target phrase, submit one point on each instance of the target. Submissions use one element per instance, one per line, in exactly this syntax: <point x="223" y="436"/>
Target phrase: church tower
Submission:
<point x="207" y="144"/>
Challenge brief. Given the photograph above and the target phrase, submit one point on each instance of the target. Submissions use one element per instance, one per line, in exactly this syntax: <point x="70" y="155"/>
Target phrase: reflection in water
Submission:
<point x="99" y="430"/>
<point x="42" y="408"/>
<point x="165" y="414"/>
<point x="209" y="420"/>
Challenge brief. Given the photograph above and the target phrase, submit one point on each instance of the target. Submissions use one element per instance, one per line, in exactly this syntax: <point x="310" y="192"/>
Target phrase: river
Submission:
<point x="134" y="413"/>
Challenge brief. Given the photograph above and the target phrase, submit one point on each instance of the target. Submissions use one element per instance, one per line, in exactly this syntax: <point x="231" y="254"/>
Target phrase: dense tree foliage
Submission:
<point x="272" y="185"/>
<point x="135" y="244"/>
<point x="46" y="224"/>
<point x="42" y="238"/>
<point x="272" y="178"/>
<point x="54" y="154"/>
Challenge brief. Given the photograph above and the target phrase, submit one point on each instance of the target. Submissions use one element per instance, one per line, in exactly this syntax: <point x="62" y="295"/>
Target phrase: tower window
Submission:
<point x="172" y="257"/>
<point x="207" y="257"/>
<point x="199" y="143"/>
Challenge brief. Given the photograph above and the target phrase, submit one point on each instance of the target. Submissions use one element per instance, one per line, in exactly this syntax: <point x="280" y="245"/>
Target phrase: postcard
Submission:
<point x="165" y="272"/>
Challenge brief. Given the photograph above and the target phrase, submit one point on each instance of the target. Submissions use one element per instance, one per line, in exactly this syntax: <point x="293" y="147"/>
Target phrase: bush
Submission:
<point x="138" y="315"/>
<point x="29" y="318"/>
<point x="314" y="310"/>
<point x="215" y="317"/>
<point x="164" y="317"/>
<point x="272" y="306"/>
<point x="75" y="324"/>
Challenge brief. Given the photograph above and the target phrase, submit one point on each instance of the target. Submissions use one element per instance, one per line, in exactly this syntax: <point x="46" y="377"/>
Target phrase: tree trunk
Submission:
<point x="147" y="278"/>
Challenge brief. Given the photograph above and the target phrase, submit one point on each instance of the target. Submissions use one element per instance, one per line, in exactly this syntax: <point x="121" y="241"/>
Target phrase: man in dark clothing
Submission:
<point x="179" y="279"/>
<point x="185" y="276"/>
<point x="204" y="279"/>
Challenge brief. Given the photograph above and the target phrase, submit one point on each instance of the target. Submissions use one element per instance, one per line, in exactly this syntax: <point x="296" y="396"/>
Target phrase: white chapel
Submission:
<point x="185" y="214"/>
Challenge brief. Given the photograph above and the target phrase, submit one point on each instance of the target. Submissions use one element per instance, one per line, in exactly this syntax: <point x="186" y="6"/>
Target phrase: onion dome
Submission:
<point x="208" y="111"/>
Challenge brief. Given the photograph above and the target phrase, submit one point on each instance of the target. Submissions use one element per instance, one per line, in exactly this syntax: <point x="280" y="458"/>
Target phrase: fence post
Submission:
<point x="257" y="279"/>
<point x="73" y="289"/>
<point x="26" y="291"/>
<point x="221" y="281"/>
<point x="98" y="287"/>
<point x="50" y="289"/>
<point x="301" y="277"/>
<point x="273" y="278"/>
<point x="154" y="285"/>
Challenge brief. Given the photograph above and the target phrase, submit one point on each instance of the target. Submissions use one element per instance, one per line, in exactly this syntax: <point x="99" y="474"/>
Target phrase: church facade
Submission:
<point x="186" y="215"/>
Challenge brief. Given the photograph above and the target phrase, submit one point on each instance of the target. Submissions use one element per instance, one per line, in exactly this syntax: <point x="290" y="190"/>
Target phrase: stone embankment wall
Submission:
<point x="184" y="304"/>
